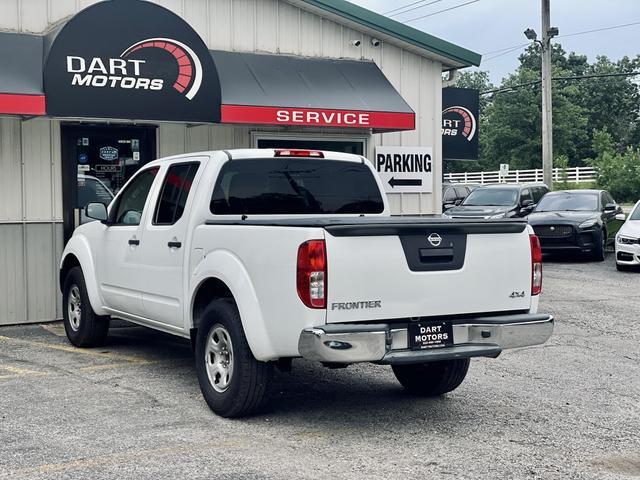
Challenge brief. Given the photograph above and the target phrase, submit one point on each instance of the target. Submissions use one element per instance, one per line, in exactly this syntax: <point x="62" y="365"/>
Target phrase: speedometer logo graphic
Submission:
<point x="469" y="121"/>
<point x="189" y="66"/>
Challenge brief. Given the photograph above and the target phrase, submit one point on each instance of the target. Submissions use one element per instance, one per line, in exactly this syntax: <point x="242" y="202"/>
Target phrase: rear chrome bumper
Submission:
<point x="388" y="343"/>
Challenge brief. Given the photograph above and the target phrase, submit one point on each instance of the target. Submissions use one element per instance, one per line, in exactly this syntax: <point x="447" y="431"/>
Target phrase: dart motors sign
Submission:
<point x="132" y="60"/>
<point x="405" y="169"/>
<point x="460" y="123"/>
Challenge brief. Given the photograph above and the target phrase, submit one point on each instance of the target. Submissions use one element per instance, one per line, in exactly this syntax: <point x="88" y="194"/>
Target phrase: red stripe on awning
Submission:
<point x="314" y="117"/>
<point x="16" y="104"/>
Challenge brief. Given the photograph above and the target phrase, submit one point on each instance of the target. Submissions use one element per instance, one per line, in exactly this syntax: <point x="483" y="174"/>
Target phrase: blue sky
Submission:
<point x="488" y="25"/>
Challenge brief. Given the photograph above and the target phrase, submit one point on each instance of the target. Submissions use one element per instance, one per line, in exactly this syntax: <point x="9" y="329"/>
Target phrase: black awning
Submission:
<point x="21" y="90"/>
<point x="135" y="60"/>
<point x="290" y="90"/>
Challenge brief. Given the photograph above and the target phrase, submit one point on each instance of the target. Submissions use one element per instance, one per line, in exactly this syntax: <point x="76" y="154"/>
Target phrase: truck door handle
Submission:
<point x="174" y="244"/>
<point x="134" y="241"/>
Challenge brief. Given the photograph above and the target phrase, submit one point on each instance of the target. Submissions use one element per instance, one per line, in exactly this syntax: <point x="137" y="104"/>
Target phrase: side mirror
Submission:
<point x="610" y="207"/>
<point x="457" y="202"/>
<point x="447" y="206"/>
<point x="621" y="216"/>
<point x="527" y="203"/>
<point x="96" y="210"/>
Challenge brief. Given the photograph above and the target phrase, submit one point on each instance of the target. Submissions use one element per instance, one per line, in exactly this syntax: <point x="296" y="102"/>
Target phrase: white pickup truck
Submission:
<point x="261" y="256"/>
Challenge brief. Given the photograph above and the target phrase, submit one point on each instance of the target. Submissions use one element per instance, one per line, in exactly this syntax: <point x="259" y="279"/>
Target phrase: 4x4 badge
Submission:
<point x="517" y="294"/>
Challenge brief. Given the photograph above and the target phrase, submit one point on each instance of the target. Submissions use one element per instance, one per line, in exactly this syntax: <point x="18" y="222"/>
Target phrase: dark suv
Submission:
<point x="454" y="193"/>
<point x="499" y="201"/>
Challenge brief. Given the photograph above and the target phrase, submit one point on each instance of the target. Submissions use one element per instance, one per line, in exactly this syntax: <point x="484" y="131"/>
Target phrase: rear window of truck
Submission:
<point x="273" y="186"/>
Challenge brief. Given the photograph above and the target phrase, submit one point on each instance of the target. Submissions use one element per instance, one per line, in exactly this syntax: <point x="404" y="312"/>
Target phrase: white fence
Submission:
<point x="574" y="175"/>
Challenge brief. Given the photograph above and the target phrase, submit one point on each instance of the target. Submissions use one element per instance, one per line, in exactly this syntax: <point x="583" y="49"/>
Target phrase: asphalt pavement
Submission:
<point x="132" y="409"/>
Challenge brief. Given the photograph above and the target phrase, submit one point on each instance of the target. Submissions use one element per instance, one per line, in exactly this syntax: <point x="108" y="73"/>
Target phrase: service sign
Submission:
<point x="405" y="169"/>
<point x="460" y="123"/>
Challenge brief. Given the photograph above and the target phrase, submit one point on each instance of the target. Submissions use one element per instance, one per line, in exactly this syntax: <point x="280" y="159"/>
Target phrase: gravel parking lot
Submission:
<point x="568" y="409"/>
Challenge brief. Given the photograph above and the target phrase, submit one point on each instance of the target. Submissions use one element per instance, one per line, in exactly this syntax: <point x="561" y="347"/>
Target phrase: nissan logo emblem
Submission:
<point x="435" y="239"/>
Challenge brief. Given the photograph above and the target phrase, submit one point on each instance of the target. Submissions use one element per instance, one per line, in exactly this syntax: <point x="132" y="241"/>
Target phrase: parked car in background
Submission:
<point x="582" y="221"/>
<point x="628" y="241"/>
<point x="499" y="201"/>
<point x="454" y="193"/>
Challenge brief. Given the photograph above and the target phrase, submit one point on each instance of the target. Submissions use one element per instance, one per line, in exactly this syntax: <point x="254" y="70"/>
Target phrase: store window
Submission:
<point x="97" y="160"/>
<point x="354" y="146"/>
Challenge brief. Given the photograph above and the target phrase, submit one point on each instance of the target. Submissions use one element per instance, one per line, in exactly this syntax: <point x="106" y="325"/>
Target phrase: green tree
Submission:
<point x="510" y="119"/>
<point x="619" y="173"/>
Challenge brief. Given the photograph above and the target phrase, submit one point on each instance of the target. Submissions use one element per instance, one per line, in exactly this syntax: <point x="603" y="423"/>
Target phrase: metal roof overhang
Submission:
<point x="303" y="91"/>
<point x="21" y="89"/>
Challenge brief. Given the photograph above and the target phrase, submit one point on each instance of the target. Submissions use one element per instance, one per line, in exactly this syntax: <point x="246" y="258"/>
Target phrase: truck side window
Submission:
<point x="130" y="204"/>
<point x="174" y="193"/>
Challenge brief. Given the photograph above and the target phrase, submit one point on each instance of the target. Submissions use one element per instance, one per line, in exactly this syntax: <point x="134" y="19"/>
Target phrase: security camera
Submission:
<point x="375" y="42"/>
<point x="356" y="43"/>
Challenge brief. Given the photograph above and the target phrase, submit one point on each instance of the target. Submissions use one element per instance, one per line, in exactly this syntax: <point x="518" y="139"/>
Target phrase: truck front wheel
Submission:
<point x="433" y="378"/>
<point x="232" y="381"/>
<point x="83" y="326"/>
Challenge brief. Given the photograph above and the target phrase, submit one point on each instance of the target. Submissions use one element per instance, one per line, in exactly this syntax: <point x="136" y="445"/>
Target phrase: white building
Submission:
<point x="96" y="89"/>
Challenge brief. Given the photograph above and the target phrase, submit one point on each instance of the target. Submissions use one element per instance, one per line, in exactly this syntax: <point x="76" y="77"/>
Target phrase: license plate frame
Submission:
<point x="430" y="335"/>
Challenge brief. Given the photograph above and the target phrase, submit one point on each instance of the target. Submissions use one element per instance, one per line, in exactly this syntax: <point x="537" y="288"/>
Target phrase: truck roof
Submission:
<point x="253" y="153"/>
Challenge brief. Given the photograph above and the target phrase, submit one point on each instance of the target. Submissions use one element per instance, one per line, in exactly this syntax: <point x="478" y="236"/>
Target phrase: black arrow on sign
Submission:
<point x="405" y="182"/>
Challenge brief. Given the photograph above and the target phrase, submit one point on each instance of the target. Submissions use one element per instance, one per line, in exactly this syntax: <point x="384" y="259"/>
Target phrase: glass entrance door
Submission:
<point x="97" y="160"/>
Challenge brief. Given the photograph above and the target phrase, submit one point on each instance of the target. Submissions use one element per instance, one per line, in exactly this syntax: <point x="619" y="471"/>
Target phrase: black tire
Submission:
<point x="599" y="251"/>
<point x="247" y="387"/>
<point x="83" y="326"/>
<point x="433" y="378"/>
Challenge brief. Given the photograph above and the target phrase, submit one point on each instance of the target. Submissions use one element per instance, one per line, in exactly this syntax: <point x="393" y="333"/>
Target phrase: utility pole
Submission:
<point x="548" y="33"/>
<point x="547" y="106"/>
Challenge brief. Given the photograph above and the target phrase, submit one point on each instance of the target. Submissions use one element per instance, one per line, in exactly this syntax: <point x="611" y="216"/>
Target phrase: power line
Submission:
<point x="506" y="50"/>
<point x="555" y="79"/>
<point x="600" y="29"/>
<point x="513" y="49"/>
<point x="415" y="8"/>
<point x="403" y="6"/>
<point x="392" y="14"/>
<point x="440" y="11"/>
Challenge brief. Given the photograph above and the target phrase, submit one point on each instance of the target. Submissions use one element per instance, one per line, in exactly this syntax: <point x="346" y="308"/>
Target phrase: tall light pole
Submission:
<point x="548" y="33"/>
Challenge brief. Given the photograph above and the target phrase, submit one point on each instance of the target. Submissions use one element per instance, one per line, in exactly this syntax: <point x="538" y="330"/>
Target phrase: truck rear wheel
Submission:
<point x="433" y="378"/>
<point x="83" y="326"/>
<point x="232" y="381"/>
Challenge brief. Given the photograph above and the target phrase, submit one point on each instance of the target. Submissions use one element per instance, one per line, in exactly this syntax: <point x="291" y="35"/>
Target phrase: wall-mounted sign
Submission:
<point x="130" y="59"/>
<point x="405" y="169"/>
<point x="107" y="168"/>
<point x="460" y="123"/>
<point x="314" y="117"/>
<point x="108" y="153"/>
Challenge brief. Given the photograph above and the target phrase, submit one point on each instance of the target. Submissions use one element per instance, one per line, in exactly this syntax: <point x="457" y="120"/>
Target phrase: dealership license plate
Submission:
<point x="426" y="335"/>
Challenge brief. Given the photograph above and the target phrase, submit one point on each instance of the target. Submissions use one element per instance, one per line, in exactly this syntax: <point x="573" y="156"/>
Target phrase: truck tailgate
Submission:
<point x="422" y="269"/>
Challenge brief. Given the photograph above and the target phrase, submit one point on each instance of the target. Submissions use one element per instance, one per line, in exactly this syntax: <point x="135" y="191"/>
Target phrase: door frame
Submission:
<point x="69" y="166"/>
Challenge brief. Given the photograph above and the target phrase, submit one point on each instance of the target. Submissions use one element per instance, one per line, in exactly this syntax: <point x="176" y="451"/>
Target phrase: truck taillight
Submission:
<point x="311" y="275"/>
<point x="536" y="265"/>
